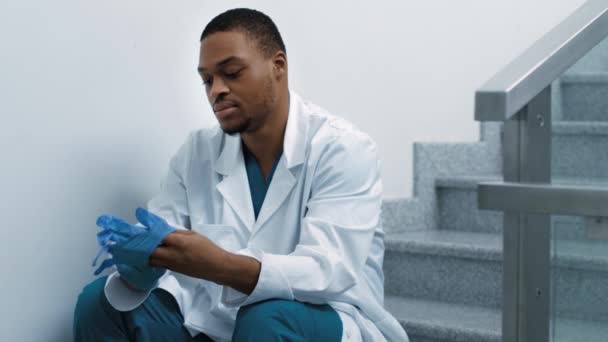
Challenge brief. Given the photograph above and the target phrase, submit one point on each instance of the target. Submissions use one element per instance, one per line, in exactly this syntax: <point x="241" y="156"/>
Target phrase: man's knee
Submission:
<point x="287" y="320"/>
<point x="263" y="319"/>
<point x="90" y="303"/>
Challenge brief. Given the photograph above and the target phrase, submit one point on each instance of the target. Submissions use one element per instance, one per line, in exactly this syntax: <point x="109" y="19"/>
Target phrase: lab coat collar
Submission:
<point x="294" y="142"/>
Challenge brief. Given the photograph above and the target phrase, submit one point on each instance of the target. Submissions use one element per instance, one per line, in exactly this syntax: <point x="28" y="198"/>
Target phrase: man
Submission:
<point x="271" y="221"/>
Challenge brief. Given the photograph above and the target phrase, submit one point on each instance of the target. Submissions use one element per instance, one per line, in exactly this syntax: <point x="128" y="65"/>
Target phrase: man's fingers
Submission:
<point x="148" y="219"/>
<point x="157" y="263"/>
<point x="174" y="238"/>
<point x="101" y="251"/>
<point x="183" y="231"/>
<point x="117" y="225"/>
<point x="106" y="235"/>
<point x="105" y="264"/>
<point x="161" y="257"/>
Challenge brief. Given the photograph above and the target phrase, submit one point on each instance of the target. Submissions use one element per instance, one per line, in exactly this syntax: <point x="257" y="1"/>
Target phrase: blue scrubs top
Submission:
<point x="323" y="326"/>
<point x="258" y="186"/>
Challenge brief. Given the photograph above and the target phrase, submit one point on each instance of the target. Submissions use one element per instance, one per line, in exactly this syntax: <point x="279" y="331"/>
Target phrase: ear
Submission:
<point x="279" y="65"/>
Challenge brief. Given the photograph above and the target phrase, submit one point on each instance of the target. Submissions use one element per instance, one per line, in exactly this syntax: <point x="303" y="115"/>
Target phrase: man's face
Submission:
<point x="240" y="82"/>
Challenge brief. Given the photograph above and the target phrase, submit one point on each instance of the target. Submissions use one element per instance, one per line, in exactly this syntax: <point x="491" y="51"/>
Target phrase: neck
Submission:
<point x="266" y="143"/>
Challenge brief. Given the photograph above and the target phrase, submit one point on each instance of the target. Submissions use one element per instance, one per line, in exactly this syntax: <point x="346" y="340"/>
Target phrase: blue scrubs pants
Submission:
<point x="159" y="319"/>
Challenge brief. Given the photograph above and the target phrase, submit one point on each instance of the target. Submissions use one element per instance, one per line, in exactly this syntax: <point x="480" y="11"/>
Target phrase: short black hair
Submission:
<point x="255" y="24"/>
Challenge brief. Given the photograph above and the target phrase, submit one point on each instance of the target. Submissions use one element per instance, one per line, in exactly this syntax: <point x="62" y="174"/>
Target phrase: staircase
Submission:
<point x="443" y="261"/>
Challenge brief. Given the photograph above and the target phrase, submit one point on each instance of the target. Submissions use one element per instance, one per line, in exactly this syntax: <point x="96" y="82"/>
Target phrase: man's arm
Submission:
<point x="193" y="254"/>
<point x="242" y="273"/>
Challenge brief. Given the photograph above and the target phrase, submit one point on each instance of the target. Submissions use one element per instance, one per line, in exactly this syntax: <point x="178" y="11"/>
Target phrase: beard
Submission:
<point x="243" y="126"/>
<point x="265" y="101"/>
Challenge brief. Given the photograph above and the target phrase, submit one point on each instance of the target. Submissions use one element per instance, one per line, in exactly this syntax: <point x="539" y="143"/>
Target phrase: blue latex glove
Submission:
<point x="114" y="230"/>
<point x="136" y="250"/>
<point x="117" y="231"/>
<point x="129" y="244"/>
<point x="143" y="279"/>
<point x="140" y="278"/>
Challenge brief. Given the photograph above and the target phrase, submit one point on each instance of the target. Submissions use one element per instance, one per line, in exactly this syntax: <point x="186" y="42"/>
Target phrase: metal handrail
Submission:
<point x="521" y="96"/>
<point x="552" y="199"/>
<point x="519" y="82"/>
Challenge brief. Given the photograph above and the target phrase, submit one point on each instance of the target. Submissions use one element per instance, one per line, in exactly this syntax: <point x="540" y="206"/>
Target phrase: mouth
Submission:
<point x="225" y="111"/>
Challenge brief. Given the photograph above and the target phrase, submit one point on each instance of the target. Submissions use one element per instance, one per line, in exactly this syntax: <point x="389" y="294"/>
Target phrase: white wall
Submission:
<point x="96" y="96"/>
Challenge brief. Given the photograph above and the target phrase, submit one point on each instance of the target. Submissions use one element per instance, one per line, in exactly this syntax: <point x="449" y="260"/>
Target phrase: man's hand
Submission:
<point x="140" y="278"/>
<point x="190" y="253"/>
<point x="193" y="254"/>
<point x="129" y="244"/>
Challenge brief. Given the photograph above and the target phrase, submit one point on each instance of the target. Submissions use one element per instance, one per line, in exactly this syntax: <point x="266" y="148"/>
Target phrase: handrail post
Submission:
<point x="527" y="237"/>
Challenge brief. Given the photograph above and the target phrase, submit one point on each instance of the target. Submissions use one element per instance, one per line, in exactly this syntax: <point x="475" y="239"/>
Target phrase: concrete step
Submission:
<point x="458" y="206"/>
<point x="429" y="321"/>
<point x="585" y="96"/>
<point x="453" y="267"/>
<point x="466" y="268"/>
<point x="567" y="330"/>
<point x="580" y="149"/>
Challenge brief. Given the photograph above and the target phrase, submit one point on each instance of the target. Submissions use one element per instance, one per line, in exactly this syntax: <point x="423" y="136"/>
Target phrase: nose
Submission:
<point x="218" y="87"/>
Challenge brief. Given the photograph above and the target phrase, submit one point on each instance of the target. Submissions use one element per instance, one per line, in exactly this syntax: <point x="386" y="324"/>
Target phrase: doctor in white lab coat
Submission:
<point x="318" y="236"/>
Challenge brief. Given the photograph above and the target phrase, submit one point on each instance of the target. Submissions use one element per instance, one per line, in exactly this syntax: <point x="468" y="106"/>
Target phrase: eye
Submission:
<point x="232" y="75"/>
<point x="207" y="82"/>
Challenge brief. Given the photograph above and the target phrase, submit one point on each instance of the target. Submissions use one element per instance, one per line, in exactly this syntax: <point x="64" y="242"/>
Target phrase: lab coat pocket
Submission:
<point x="227" y="237"/>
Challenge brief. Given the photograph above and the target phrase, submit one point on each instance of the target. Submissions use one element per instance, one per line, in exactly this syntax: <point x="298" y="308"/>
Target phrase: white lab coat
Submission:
<point x="318" y="236"/>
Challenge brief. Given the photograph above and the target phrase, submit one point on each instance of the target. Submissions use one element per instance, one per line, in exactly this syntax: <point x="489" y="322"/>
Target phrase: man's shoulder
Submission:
<point x="338" y="148"/>
<point x="205" y="134"/>
<point x="329" y="130"/>
<point x="204" y="137"/>
<point x="204" y="143"/>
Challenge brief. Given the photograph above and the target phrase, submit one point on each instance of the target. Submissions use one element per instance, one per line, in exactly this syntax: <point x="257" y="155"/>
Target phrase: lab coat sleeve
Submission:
<point x="171" y="203"/>
<point x="336" y="232"/>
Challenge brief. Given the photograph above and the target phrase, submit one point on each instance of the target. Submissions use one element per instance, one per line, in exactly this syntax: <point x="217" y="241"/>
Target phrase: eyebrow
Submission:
<point x="223" y="62"/>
